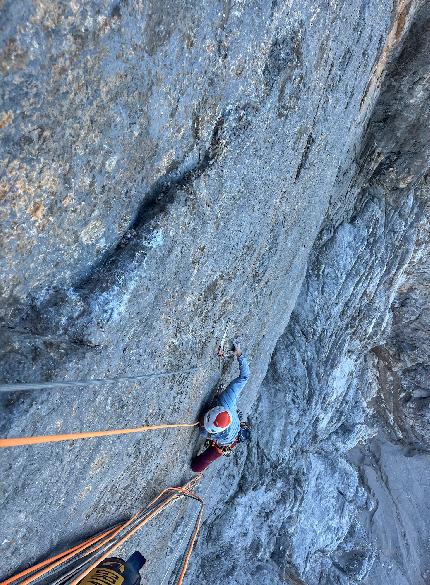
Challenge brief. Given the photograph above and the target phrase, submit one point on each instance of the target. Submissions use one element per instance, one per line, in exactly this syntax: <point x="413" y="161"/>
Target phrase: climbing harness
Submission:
<point x="243" y="436"/>
<point x="226" y="450"/>
<point x="75" y="563"/>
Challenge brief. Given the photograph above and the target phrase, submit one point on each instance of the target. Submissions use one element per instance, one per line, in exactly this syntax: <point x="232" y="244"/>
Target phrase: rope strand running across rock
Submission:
<point x="22" y="441"/>
<point x="27" y="386"/>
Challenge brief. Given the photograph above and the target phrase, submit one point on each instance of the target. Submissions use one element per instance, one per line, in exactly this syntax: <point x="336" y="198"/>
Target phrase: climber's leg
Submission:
<point x="202" y="461"/>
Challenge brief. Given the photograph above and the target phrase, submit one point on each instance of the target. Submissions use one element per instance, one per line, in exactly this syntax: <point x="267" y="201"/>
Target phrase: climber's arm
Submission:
<point x="230" y="395"/>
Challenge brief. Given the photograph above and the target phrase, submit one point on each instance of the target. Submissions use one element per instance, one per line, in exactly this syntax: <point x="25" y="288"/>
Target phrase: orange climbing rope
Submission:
<point x="102" y="545"/>
<point x="60" y="557"/>
<point x="182" y="492"/>
<point x="20" y="441"/>
<point x="87" y="555"/>
<point x="54" y="562"/>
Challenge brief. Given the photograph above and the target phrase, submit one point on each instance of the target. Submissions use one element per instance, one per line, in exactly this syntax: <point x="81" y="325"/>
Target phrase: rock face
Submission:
<point x="297" y="484"/>
<point x="177" y="172"/>
<point x="350" y="369"/>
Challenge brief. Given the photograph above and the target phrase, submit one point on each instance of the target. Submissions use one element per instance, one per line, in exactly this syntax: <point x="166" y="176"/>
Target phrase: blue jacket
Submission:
<point x="228" y="400"/>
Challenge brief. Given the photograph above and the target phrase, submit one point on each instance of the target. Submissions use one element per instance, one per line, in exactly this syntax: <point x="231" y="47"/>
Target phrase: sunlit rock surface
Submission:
<point x="174" y="173"/>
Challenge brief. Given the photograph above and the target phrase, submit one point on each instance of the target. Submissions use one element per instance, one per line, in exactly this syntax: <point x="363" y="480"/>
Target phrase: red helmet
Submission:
<point x="217" y="419"/>
<point x="223" y="419"/>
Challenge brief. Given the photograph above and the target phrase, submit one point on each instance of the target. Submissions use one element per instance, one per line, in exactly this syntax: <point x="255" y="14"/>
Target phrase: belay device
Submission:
<point x="114" y="571"/>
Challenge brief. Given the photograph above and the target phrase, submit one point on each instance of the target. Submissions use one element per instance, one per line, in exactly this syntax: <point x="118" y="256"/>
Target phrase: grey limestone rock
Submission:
<point x="178" y="172"/>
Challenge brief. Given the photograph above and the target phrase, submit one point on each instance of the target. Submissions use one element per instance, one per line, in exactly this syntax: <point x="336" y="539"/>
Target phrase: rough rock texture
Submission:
<point x="351" y="368"/>
<point x="394" y="465"/>
<point x="174" y="172"/>
<point x="297" y="486"/>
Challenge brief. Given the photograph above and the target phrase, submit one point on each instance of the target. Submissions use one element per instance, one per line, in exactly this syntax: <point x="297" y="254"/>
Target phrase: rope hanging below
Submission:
<point x="91" y="552"/>
<point x="20" y="441"/>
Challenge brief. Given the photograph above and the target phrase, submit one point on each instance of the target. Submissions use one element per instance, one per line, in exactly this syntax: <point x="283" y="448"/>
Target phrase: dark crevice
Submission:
<point x="305" y="155"/>
<point x="70" y="310"/>
<point x="155" y="204"/>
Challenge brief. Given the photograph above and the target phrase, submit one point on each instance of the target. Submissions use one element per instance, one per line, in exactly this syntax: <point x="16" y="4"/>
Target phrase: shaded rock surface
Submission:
<point x="298" y="484"/>
<point x="349" y="370"/>
<point x="177" y="172"/>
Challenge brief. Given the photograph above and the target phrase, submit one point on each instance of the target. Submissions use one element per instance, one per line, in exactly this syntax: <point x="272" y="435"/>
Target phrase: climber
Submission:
<point x="221" y="423"/>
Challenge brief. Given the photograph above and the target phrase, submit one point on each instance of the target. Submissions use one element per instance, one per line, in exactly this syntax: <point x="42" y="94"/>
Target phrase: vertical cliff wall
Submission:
<point x="350" y="372"/>
<point x="174" y="172"/>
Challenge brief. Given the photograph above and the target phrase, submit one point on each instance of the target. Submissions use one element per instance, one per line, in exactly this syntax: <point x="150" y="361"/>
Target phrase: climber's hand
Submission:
<point x="237" y="352"/>
<point x="219" y="351"/>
